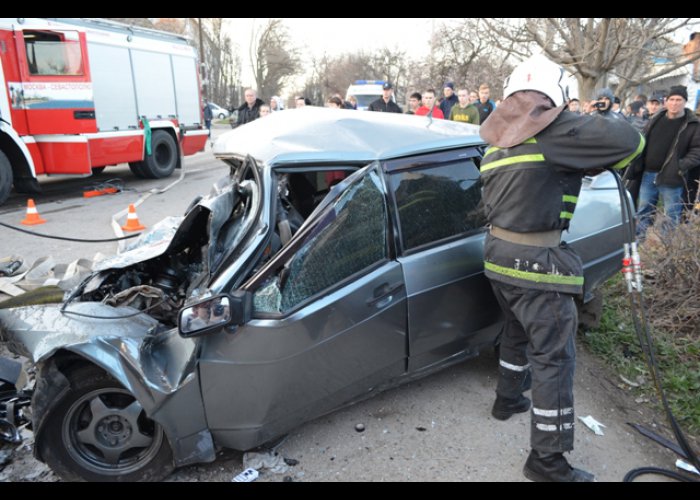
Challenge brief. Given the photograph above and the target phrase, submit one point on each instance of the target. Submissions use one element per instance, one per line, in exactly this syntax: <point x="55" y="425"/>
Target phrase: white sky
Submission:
<point x="335" y="36"/>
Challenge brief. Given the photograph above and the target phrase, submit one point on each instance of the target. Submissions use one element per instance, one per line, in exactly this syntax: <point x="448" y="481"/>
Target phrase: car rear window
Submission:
<point x="436" y="202"/>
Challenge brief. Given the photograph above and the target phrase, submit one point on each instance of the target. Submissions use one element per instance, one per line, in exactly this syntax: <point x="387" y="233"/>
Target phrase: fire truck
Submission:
<point x="77" y="95"/>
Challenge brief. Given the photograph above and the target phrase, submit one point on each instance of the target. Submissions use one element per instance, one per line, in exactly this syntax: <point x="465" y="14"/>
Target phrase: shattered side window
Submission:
<point x="350" y="237"/>
<point x="438" y="202"/>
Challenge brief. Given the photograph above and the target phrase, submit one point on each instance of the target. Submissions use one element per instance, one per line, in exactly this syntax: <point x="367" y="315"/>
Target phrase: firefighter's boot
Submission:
<point x="553" y="468"/>
<point x="504" y="408"/>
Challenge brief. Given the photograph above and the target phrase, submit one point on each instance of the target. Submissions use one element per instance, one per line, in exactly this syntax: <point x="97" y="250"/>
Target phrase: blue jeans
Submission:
<point x="649" y="198"/>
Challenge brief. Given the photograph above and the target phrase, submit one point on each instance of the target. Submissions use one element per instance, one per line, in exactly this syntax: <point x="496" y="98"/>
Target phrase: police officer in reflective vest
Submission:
<point x="532" y="176"/>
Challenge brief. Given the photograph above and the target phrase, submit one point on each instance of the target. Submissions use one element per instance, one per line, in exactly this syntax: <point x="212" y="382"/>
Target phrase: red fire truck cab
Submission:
<point x="77" y="95"/>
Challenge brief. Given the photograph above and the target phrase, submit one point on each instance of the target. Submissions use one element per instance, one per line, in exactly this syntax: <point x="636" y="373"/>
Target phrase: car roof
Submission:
<point x="314" y="134"/>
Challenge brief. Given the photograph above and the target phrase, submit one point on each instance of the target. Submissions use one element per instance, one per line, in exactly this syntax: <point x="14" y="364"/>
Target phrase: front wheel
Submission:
<point x="5" y="178"/>
<point x="98" y="431"/>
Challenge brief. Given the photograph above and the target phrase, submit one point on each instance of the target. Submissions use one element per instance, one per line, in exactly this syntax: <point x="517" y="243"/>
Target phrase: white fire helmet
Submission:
<point x="540" y="74"/>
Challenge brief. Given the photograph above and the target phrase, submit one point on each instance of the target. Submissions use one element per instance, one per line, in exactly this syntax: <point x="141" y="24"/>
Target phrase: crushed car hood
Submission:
<point x="174" y="261"/>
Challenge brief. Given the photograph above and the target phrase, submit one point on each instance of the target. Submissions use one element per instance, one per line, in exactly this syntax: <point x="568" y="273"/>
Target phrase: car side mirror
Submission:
<point x="215" y="313"/>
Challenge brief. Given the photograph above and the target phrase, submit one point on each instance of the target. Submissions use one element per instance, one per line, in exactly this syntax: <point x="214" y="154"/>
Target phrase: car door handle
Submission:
<point x="384" y="294"/>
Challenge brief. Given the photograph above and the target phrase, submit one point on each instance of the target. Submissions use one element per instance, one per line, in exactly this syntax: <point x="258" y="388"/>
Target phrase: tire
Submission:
<point x="136" y="168"/>
<point x="221" y="116"/>
<point x="590" y="313"/>
<point x="27" y="185"/>
<point x="97" y="431"/>
<point x="97" y="170"/>
<point x="5" y="178"/>
<point x="163" y="158"/>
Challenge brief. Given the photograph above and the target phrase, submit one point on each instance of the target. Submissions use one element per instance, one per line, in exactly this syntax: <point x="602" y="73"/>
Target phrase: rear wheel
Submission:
<point x="98" y="431"/>
<point x="136" y="168"/>
<point x="97" y="170"/>
<point x="590" y="313"/>
<point x="163" y="158"/>
<point x="5" y="178"/>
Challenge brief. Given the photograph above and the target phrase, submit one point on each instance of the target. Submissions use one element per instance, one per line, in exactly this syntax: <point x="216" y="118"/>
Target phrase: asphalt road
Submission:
<point x="436" y="429"/>
<point x="69" y="214"/>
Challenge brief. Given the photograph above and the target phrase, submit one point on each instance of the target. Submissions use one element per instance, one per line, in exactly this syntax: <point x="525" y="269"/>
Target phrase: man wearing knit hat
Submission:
<point x="672" y="153"/>
<point x="450" y="99"/>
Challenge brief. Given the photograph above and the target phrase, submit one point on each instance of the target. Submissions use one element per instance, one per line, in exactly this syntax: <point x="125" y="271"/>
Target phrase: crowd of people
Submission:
<point x="668" y="168"/>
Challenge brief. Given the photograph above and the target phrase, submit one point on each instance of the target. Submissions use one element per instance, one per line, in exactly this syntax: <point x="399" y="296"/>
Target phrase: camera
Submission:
<point x="218" y="310"/>
<point x="599" y="105"/>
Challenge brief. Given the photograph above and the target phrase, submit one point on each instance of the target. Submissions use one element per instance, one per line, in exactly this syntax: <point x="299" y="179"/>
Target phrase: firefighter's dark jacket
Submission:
<point x="534" y="187"/>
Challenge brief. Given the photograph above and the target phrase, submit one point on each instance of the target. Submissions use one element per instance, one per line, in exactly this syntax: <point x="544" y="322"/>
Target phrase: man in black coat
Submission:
<point x="385" y="103"/>
<point x="250" y="110"/>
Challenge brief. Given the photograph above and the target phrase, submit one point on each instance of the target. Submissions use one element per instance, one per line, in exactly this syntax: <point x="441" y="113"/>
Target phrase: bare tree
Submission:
<point x="221" y="62"/>
<point x="331" y="75"/>
<point x="274" y="58"/>
<point x="596" y="50"/>
<point x="457" y="55"/>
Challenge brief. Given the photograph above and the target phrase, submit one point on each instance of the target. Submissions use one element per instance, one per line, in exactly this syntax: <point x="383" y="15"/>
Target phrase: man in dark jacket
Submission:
<point x="531" y="177"/>
<point x="250" y="110"/>
<point x="671" y="156"/>
<point x="385" y="103"/>
<point x="449" y="100"/>
<point x="208" y="116"/>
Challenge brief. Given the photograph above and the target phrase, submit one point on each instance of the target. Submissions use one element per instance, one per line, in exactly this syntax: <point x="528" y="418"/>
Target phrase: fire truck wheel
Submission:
<point x="5" y="178"/>
<point x="163" y="158"/>
<point x="136" y="168"/>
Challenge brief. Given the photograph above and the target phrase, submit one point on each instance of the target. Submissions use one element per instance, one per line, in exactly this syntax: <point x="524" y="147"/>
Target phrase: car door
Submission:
<point x="328" y="327"/>
<point x="437" y="204"/>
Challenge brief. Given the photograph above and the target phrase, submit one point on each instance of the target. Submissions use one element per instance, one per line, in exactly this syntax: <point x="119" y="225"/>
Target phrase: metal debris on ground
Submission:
<point x="686" y="466"/>
<point x="14" y="403"/>
<point x="9" y="266"/>
<point x="268" y="460"/>
<point x="247" y="476"/>
<point x="593" y="424"/>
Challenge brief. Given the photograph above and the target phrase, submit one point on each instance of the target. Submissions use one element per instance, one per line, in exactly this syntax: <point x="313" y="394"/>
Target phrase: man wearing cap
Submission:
<point x="449" y="100"/>
<point x="531" y="177"/>
<point x="653" y="105"/>
<point x="671" y="155"/>
<point x="385" y="103"/>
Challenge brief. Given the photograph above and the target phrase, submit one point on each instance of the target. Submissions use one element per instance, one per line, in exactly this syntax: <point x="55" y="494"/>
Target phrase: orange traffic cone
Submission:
<point x="132" y="220"/>
<point x="32" y="217"/>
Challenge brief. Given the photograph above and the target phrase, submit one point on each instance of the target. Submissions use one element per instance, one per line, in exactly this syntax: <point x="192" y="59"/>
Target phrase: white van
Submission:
<point x="365" y="91"/>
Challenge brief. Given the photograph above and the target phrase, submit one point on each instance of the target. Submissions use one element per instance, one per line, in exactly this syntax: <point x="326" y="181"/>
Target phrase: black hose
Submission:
<point x="64" y="238"/>
<point x="646" y="343"/>
<point x="634" y="473"/>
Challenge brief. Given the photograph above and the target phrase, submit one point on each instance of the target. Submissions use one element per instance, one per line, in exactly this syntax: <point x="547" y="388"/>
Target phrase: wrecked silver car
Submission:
<point x="342" y="256"/>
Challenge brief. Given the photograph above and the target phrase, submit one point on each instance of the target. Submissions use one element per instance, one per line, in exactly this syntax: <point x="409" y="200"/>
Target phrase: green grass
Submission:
<point x="678" y="357"/>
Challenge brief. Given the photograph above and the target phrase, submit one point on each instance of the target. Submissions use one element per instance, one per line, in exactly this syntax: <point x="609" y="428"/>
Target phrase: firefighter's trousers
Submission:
<point x="539" y="336"/>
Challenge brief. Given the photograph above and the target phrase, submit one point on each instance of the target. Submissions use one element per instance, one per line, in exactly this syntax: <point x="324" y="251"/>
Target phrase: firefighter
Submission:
<point x="532" y="176"/>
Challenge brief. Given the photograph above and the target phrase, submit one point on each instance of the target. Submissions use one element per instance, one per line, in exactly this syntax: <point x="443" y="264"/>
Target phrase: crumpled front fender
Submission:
<point x="155" y="364"/>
